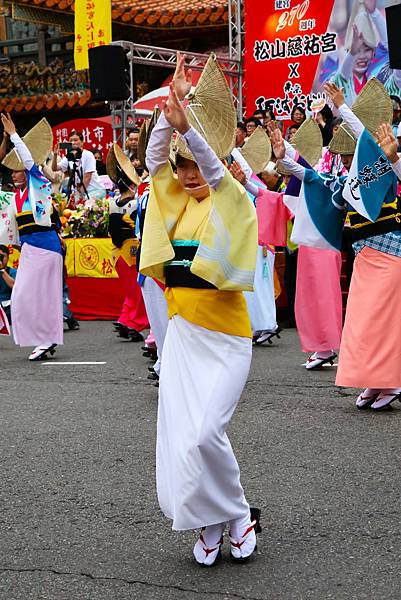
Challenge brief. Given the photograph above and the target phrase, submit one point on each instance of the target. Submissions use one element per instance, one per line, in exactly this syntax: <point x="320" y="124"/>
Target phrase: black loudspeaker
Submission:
<point x="393" y="18"/>
<point x="109" y="73"/>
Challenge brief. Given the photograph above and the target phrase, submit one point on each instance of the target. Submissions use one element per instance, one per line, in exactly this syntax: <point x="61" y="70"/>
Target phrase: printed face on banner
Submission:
<point x="294" y="46"/>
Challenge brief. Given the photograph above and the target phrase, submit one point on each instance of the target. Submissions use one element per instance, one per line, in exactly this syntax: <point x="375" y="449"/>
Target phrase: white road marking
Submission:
<point x="54" y="363"/>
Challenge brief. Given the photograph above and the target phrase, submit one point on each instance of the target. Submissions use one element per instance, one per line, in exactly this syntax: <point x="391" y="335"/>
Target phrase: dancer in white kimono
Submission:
<point x="261" y="302"/>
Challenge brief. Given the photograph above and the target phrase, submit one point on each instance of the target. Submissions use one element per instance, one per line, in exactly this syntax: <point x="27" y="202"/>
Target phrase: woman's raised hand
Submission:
<point x="174" y="111"/>
<point x="272" y="126"/>
<point x="182" y="79"/>
<point x="335" y="93"/>
<point x="238" y="173"/>
<point x="8" y="123"/>
<point x="277" y="144"/>
<point x="387" y="142"/>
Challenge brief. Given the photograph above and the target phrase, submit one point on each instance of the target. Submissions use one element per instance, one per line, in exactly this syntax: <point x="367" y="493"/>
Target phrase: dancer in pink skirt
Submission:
<point x="36" y="301"/>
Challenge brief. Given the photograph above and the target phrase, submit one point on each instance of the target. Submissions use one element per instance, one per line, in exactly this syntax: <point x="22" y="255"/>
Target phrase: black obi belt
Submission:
<point x="177" y="272"/>
<point x="26" y="224"/>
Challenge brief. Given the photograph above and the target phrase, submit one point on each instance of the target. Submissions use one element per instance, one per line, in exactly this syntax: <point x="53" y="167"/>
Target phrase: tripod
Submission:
<point x="76" y="175"/>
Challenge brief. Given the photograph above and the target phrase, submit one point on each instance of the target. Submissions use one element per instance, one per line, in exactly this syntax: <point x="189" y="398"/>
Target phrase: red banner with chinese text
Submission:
<point x="284" y="43"/>
<point x="92" y="28"/>
<point x="97" y="133"/>
<point x="294" y="46"/>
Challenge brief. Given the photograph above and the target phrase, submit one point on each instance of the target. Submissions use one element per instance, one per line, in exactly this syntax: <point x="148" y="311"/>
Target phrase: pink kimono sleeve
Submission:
<point x="273" y="216"/>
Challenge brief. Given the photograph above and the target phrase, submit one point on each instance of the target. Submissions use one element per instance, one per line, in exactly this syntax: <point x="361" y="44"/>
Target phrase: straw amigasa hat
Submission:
<point x="39" y="141"/>
<point x="211" y="112"/>
<point x="144" y="135"/>
<point x="257" y="150"/>
<point x="364" y="23"/>
<point x="308" y="141"/>
<point x="117" y="159"/>
<point x="281" y="170"/>
<point x="343" y="141"/>
<point x="372" y="107"/>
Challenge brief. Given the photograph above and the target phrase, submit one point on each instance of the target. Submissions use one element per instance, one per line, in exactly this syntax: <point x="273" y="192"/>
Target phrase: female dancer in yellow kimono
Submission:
<point x="200" y="238"/>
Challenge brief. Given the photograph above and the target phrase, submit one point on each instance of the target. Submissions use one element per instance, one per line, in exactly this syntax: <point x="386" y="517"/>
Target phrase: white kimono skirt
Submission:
<point x="202" y="377"/>
<point x="157" y="311"/>
<point x="261" y="302"/>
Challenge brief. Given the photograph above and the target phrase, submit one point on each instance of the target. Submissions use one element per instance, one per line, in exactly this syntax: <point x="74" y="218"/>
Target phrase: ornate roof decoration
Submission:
<point x="26" y="86"/>
<point x="44" y="102"/>
<point x="28" y="11"/>
<point x="150" y="14"/>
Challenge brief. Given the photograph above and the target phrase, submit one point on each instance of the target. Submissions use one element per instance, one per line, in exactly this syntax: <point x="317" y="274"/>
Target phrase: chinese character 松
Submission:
<point x="261" y="50"/>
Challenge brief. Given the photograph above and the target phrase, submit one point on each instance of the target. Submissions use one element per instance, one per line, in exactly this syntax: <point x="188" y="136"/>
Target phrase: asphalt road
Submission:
<point x="79" y="518"/>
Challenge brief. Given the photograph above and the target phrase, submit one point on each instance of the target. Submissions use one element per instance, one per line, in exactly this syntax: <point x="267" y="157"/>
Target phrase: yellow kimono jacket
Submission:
<point x="226" y="228"/>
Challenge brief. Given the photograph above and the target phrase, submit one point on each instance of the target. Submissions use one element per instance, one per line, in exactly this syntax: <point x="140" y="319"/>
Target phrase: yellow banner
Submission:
<point x="92" y="28"/>
<point x="13" y="259"/>
<point x="85" y="257"/>
<point x="69" y="260"/>
<point x="90" y="257"/>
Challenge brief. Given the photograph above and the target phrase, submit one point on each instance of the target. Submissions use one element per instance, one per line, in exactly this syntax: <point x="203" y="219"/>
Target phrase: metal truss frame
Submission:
<point x="123" y="113"/>
<point x="236" y="43"/>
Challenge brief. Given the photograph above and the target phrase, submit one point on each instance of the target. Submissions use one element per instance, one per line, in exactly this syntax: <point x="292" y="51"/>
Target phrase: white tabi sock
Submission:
<point x="242" y="537"/>
<point x="385" y="397"/>
<point x="207" y="547"/>
<point x="322" y="354"/>
<point x="371" y="391"/>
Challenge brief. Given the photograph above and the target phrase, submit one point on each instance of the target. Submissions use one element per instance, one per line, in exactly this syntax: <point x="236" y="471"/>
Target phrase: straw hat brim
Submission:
<point x="39" y="141"/>
<point x="343" y="141"/>
<point x="211" y="112"/>
<point x="373" y="106"/>
<point x="179" y="147"/>
<point x="111" y="165"/>
<point x="257" y="150"/>
<point x="116" y="157"/>
<point x="144" y="135"/>
<point x="308" y="141"/>
<point x="281" y="170"/>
